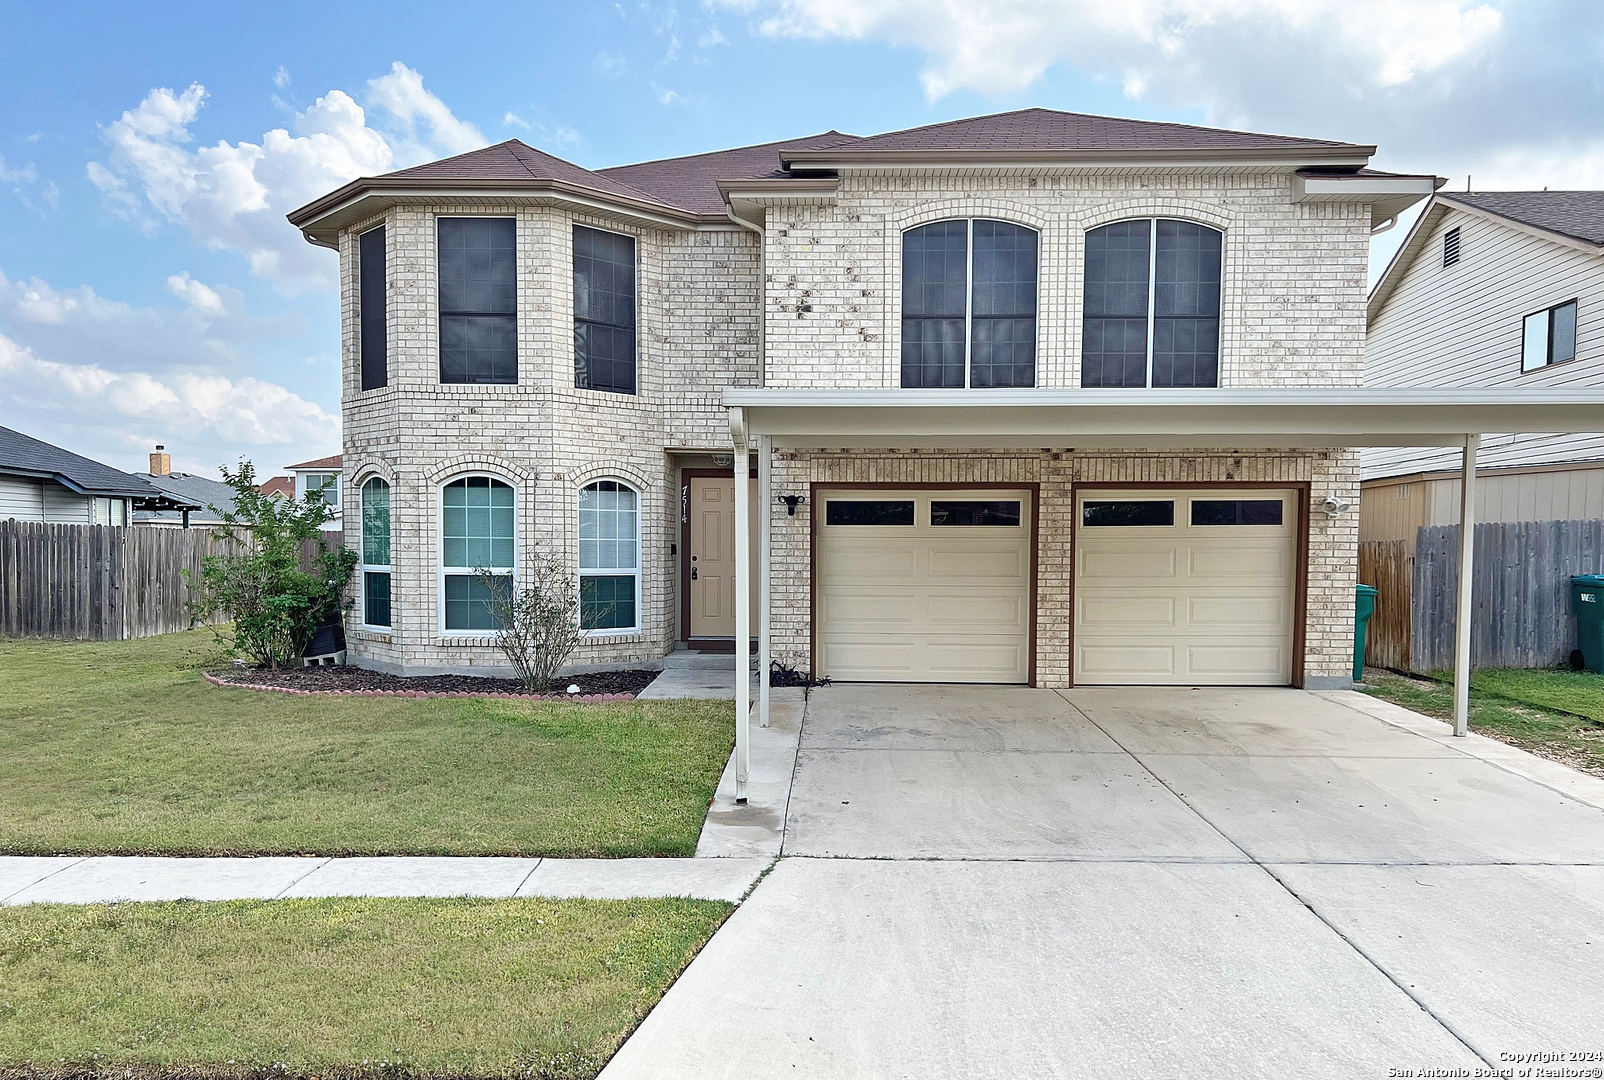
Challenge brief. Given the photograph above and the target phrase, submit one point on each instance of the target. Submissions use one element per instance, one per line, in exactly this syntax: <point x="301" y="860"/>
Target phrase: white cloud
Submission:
<point x="20" y="174"/>
<point x="281" y="77"/>
<point x="711" y="37"/>
<point x="235" y="195"/>
<point x="194" y="293"/>
<point x="512" y="119"/>
<point x="115" y="416"/>
<point x="609" y="65"/>
<point x="665" y="96"/>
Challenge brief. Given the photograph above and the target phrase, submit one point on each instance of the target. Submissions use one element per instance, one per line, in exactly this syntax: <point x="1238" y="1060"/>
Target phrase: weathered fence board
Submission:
<point x="97" y="582"/>
<point x="1385" y="565"/>
<point x="1521" y="603"/>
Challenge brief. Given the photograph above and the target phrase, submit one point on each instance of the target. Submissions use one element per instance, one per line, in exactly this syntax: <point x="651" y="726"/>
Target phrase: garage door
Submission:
<point x="924" y="585"/>
<point x="1189" y="587"/>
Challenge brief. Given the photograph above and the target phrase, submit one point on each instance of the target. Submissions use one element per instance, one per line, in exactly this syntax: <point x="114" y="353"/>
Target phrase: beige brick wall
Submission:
<point x="1292" y="315"/>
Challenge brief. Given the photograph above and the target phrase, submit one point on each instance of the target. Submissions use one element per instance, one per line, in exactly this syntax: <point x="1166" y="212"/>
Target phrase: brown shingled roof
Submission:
<point x="514" y="160"/>
<point x="1049" y="129"/>
<point x="692" y="181"/>
<point x="330" y="462"/>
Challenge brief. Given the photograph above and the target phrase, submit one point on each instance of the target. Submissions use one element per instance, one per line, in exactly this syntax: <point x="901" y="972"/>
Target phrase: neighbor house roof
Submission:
<point x="1577" y="214"/>
<point x="330" y="462"/>
<point x="686" y="189"/>
<point x="23" y="455"/>
<point x="199" y="490"/>
<point x="282" y="486"/>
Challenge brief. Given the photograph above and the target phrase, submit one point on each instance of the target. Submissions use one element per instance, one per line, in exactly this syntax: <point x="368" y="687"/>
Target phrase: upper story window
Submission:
<point x="969" y="304"/>
<point x="323" y="487"/>
<point x="604" y="311"/>
<point x="609" y="556"/>
<point x="1152" y="304"/>
<point x="478" y="300"/>
<point x="477" y="532"/>
<point x="1450" y="246"/>
<point x="375" y="552"/>
<point x="1549" y="337"/>
<point x="373" y="327"/>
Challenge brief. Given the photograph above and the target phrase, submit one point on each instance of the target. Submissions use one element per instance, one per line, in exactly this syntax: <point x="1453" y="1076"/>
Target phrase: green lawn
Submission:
<point x="122" y="747"/>
<point x="1518" y="707"/>
<point x="336" y="988"/>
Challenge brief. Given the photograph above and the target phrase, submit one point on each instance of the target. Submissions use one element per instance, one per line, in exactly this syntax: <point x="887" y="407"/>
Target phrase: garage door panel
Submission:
<point x="1125" y="565"/>
<point x="921" y="602"/>
<point x="1186" y="604"/>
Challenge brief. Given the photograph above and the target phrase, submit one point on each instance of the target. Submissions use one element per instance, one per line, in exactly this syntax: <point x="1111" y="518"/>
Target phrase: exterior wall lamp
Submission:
<point x="791" y="503"/>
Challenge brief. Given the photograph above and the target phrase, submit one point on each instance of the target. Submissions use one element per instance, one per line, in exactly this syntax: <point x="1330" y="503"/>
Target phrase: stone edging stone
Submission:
<point x="587" y="698"/>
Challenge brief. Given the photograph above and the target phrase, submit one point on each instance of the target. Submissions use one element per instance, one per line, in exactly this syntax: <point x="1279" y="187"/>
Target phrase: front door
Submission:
<point x="712" y="563"/>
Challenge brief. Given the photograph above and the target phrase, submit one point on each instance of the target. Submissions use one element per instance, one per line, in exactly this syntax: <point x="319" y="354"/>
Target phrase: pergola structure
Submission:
<point x="764" y="420"/>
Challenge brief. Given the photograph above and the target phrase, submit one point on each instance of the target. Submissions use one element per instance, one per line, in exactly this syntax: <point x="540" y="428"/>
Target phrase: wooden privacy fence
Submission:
<point x="97" y="582"/>
<point x="1385" y="564"/>
<point x="1521" y="595"/>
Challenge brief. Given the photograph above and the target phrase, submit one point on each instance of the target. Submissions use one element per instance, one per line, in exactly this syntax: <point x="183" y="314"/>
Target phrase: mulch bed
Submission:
<point x="621" y="685"/>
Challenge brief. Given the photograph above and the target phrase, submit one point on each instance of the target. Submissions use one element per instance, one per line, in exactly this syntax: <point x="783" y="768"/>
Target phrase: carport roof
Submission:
<point x="1153" y="418"/>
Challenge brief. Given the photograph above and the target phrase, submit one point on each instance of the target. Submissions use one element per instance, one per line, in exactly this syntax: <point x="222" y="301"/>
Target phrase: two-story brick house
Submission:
<point x="538" y="355"/>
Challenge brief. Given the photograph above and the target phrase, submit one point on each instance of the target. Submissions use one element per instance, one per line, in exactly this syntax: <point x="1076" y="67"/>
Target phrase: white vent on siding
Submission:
<point x="1450" y="246"/>
<point x="1405" y="490"/>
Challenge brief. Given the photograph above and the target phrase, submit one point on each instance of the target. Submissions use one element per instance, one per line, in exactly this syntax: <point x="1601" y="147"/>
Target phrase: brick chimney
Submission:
<point x="161" y="462"/>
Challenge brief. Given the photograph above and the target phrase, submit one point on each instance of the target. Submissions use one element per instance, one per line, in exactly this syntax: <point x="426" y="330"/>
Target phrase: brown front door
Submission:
<point x="712" y="562"/>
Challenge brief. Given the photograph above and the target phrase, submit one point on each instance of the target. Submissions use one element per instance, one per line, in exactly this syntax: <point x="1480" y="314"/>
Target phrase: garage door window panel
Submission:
<point x="1125" y="514"/>
<point x="869" y="512"/>
<point x="1237" y="511"/>
<point x="993" y="514"/>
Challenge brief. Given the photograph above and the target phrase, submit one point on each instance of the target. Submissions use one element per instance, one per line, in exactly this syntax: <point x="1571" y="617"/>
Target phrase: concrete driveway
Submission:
<point x="986" y="882"/>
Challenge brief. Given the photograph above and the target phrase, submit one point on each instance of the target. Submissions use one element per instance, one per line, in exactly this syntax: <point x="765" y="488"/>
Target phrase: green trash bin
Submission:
<point x="1587" y="600"/>
<point x="1364" y="606"/>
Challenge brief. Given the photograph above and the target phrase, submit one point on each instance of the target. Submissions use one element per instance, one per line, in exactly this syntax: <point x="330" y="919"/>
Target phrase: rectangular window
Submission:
<point x="324" y="487"/>
<point x="373" y="331"/>
<point x="1236" y="511"/>
<point x="478" y="300"/>
<point x="477" y="530"/>
<point x="468" y="603"/>
<point x="1152" y="304"/>
<point x="869" y="512"/>
<point x="376" y="598"/>
<point x="1138" y="512"/>
<point x="1548" y="337"/>
<point x="609" y="555"/>
<point x="607" y="602"/>
<point x="1002" y="512"/>
<point x="969" y="304"/>
<point x="604" y="311"/>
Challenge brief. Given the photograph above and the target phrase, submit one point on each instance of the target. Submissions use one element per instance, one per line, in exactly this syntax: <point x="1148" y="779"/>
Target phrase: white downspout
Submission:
<point x="764" y="485"/>
<point x="1467" y="578"/>
<point x="743" y="605"/>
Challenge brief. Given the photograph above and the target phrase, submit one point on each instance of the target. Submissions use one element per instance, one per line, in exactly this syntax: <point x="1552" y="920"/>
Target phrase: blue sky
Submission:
<point x="150" y="290"/>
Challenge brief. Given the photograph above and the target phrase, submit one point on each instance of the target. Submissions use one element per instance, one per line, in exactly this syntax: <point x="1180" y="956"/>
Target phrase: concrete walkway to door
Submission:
<point x="1004" y="882"/>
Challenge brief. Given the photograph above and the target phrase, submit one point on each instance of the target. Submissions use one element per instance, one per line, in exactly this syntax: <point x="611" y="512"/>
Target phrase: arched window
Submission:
<point x="477" y="531"/>
<point x="375" y="552"/>
<point x="969" y="304"/>
<point x="609" y="556"/>
<point x="1152" y="304"/>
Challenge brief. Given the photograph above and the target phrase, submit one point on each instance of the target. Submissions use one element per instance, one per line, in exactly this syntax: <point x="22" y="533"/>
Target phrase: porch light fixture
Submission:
<point x="791" y="503"/>
<point x="1336" y="506"/>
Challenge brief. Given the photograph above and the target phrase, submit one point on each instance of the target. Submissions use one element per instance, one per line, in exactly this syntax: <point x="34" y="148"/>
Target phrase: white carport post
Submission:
<point x="765" y="515"/>
<point x="743" y="605"/>
<point x="1467" y="578"/>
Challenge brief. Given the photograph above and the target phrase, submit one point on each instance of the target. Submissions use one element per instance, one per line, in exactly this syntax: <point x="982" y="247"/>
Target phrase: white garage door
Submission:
<point x="1185" y="587"/>
<point x="924" y="585"/>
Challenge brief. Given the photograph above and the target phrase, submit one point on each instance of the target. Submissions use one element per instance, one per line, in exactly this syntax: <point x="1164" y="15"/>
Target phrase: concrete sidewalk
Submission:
<point x="103" y="879"/>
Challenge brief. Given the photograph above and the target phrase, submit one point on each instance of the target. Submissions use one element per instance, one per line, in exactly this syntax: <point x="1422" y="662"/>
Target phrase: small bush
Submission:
<point x="537" y="627"/>
<point x="275" y="603"/>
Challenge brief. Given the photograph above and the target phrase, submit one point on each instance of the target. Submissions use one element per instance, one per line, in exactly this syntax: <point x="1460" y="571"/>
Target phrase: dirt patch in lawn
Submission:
<point x="343" y="679"/>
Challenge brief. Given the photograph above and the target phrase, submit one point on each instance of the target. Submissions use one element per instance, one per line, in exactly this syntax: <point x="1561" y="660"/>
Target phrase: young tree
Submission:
<point x="275" y="604"/>
<point x="537" y="627"/>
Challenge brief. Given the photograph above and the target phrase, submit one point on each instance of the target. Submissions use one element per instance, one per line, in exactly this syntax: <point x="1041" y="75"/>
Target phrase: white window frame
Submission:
<point x="443" y="571"/>
<point x="636" y="571"/>
<point x="364" y="568"/>
<point x="307" y="486"/>
<point x="969" y="295"/>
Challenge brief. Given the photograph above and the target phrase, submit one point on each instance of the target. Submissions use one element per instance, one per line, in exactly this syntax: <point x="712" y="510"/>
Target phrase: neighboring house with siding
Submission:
<point x="213" y="497"/>
<point x="540" y="356"/>
<point x="320" y="476"/>
<point x="1496" y="289"/>
<point x="43" y="482"/>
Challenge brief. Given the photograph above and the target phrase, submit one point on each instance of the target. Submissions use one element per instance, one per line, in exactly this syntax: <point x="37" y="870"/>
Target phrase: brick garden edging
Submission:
<point x="587" y="698"/>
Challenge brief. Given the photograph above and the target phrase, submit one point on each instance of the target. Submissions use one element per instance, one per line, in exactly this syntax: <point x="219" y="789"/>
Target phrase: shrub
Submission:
<point x="537" y="627"/>
<point x="276" y="603"/>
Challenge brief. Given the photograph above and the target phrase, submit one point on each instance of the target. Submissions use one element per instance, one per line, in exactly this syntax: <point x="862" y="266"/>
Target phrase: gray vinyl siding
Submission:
<point x="21" y="498"/>
<point x="65" y="507"/>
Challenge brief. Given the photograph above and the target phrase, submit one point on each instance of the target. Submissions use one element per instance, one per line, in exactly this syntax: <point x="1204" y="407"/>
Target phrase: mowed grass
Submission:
<point x="332" y="988"/>
<point x="1525" y="708"/>
<point x="122" y="748"/>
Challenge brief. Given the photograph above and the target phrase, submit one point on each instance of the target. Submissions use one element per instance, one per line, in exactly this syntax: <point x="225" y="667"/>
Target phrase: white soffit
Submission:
<point x="1156" y="419"/>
